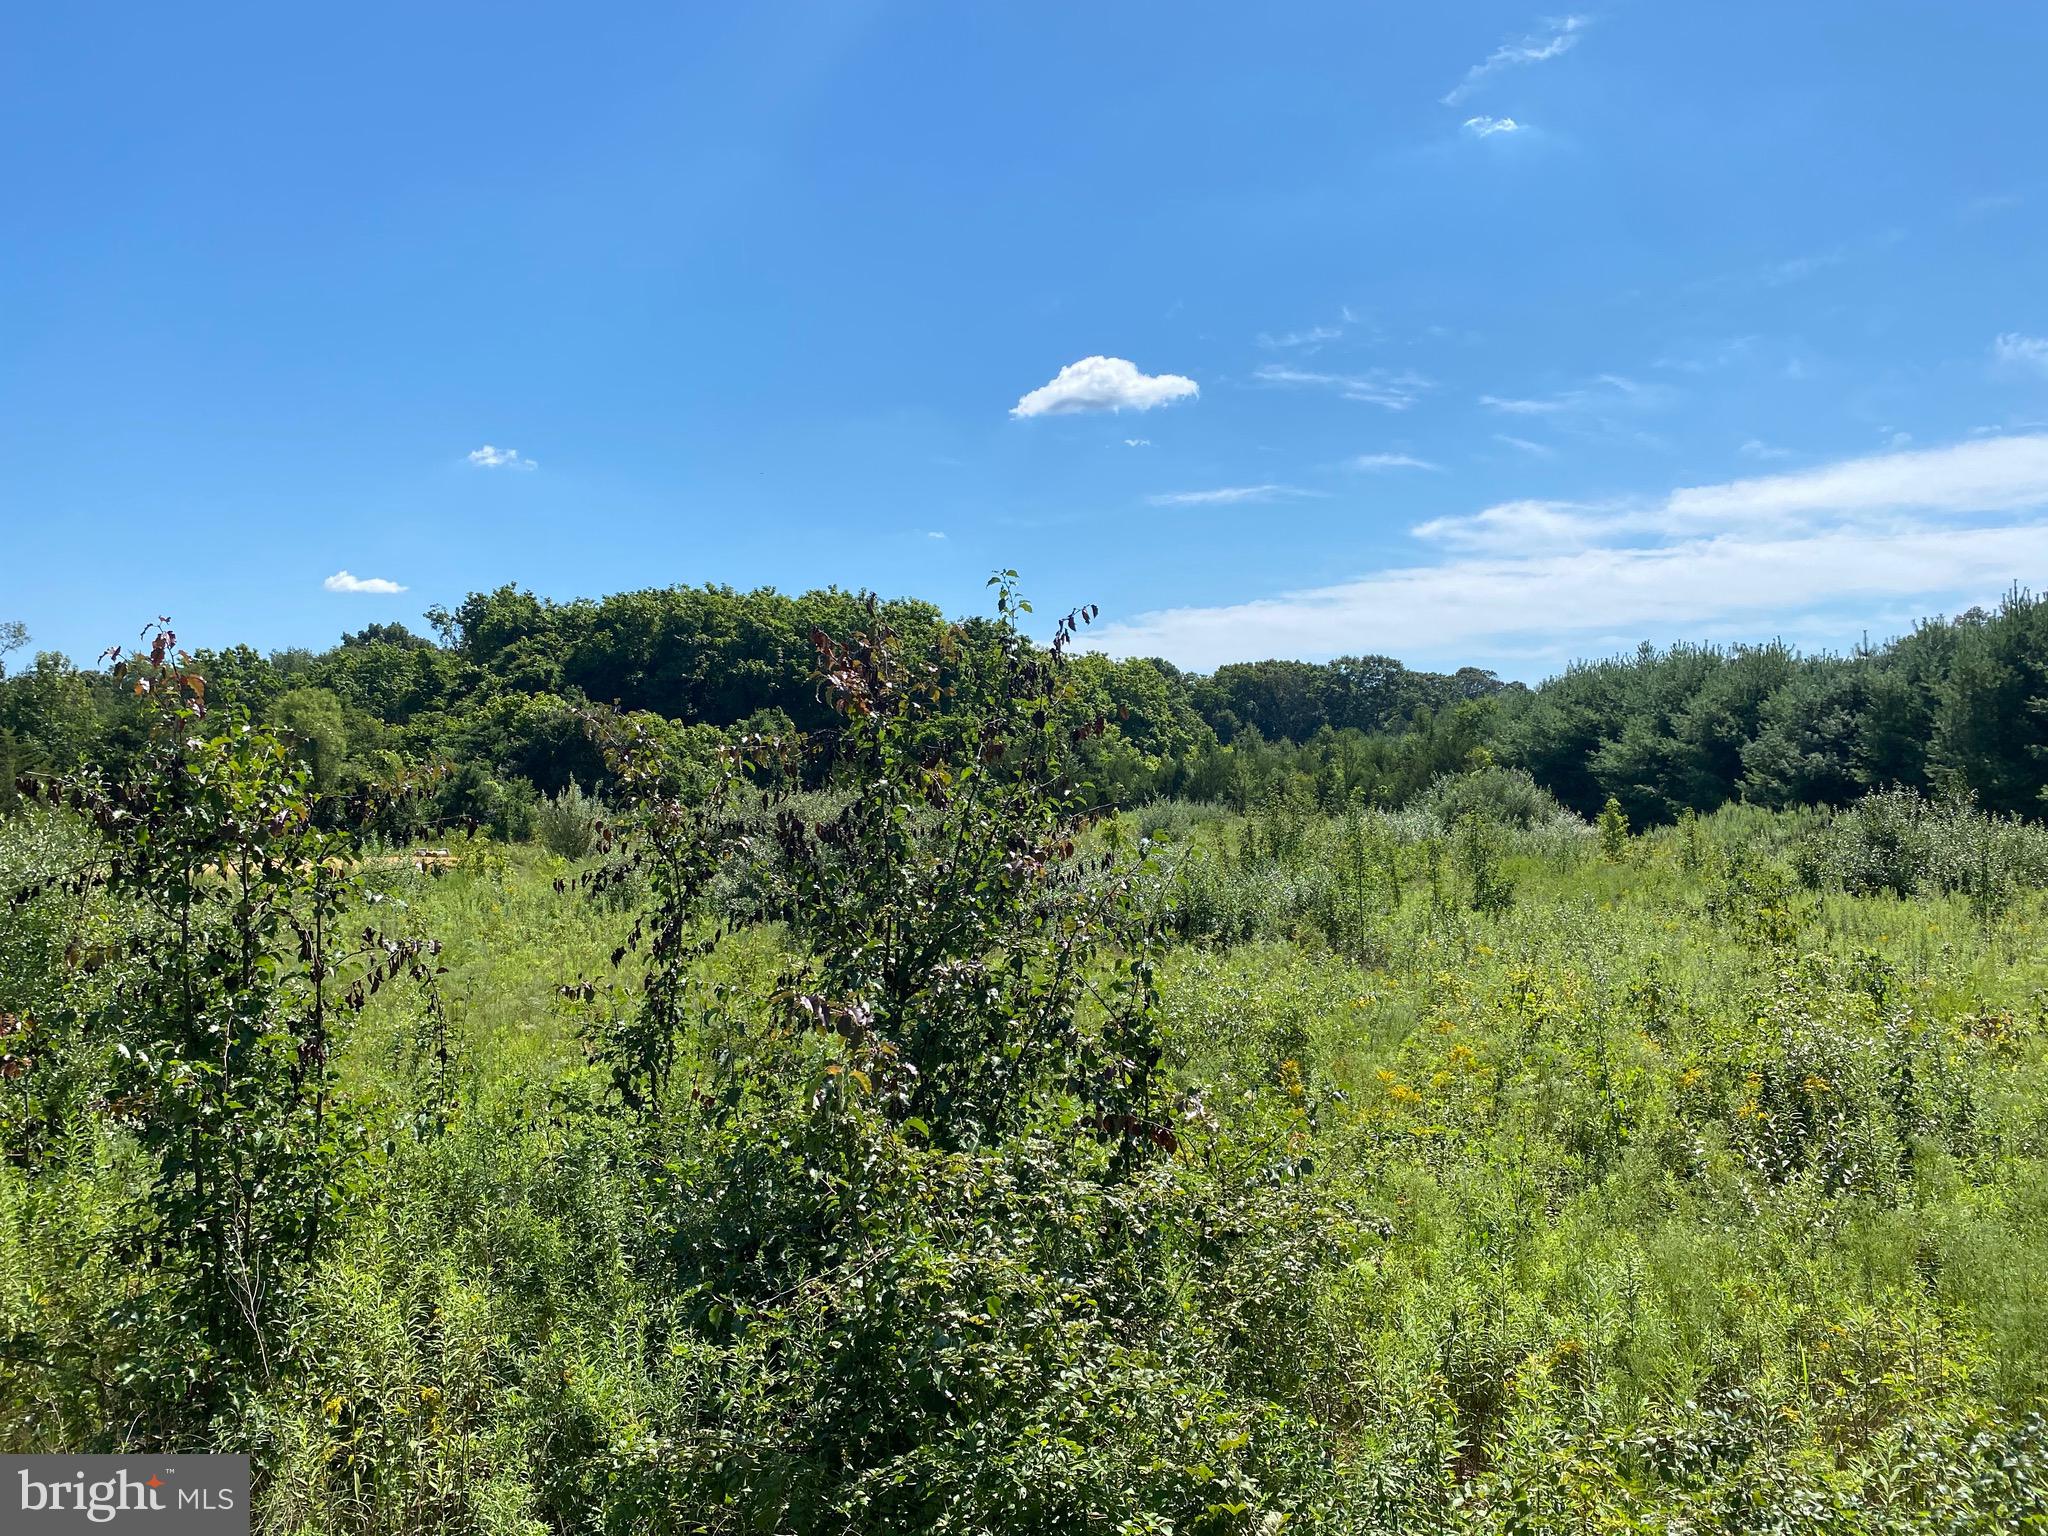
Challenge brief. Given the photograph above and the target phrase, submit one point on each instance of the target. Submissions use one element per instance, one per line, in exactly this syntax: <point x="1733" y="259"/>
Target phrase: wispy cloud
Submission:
<point x="1137" y="442"/>
<point x="1310" y="337"/>
<point x="1706" y="357"/>
<point x="342" y="581"/>
<point x="1535" y="450"/>
<point x="1808" y="551"/>
<point x="1548" y="406"/>
<point x="1788" y="270"/>
<point x="488" y="457"/>
<point x="1557" y="37"/>
<point x="935" y="535"/>
<point x="1487" y="127"/>
<point x="1601" y="405"/>
<point x="1104" y="384"/>
<point x="1376" y="386"/>
<point x="2022" y="351"/>
<point x="1308" y="340"/>
<point x="1991" y="202"/>
<point x="1391" y="461"/>
<point x="1226" y="495"/>
<point x="1796" y="269"/>
<point x="1757" y="448"/>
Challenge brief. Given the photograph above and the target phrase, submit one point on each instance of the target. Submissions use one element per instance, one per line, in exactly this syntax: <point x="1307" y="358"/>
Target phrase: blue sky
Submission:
<point x="1739" y="330"/>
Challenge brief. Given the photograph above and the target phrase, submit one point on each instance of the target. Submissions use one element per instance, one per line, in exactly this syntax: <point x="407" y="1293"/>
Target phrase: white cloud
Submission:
<point x="1989" y="475"/>
<point x="1487" y="127"/>
<point x="1391" y="461"/>
<point x="1803" y="552"/>
<point x="488" y="457"/>
<point x="935" y="535"/>
<point x="1225" y="495"/>
<point x="2025" y="351"/>
<point x="1558" y="37"/>
<point x="1376" y="386"/>
<point x="1757" y="448"/>
<point x="1450" y="611"/>
<point x="1137" y="442"/>
<point x="1534" y="450"/>
<point x="1521" y="526"/>
<point x="342" y="581"/>
<point x="1104" y="384"/>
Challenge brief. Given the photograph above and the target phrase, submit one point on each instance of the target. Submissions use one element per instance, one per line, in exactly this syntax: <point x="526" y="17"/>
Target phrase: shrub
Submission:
<point x="1508" y="796"/>
<point x="1481" y="855"/>
<point x="567" y="822"/>
<point x="241" y="963"/>
<point x="1613" y="831"/>
<point x="1898" y="841"/>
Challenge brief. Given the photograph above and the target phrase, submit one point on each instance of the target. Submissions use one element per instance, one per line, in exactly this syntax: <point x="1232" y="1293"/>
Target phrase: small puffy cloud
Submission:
<point x="1226" y="495"/>
<point x="1487" y="127"/>
<point x="1757" y="448"/>
<point x="1104" y="384"/>
<point x="935" y="535"/>
<point x="1137" y="442"/>
<point x="342" y="581"/>
<point x="1391" y="461"/>
<point x="488" y="457"/>
<point x="2022" y="351"/>
<point x="1557" y="37"/>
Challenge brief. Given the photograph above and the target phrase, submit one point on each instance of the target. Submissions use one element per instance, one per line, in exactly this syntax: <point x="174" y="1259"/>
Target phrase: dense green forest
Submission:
<point x="1956" y="706"/>
<point x="719" y="1062"/>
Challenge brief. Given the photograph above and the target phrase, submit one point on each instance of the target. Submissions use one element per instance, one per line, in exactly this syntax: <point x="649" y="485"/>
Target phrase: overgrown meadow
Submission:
<point x="927" y="1152"/>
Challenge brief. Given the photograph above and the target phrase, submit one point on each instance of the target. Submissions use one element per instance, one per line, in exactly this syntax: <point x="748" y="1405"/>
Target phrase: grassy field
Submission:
<point x="1664" y="1193"/>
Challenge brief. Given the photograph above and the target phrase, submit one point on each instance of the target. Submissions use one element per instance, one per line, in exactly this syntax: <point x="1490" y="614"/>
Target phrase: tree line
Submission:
<point x="497" y="698"/>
